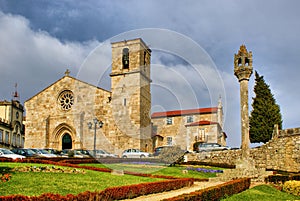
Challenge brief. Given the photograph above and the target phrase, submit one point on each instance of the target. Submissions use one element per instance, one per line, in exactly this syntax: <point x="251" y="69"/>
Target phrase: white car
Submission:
<point x="135" y="153"/>
<point x="9" y="154"/>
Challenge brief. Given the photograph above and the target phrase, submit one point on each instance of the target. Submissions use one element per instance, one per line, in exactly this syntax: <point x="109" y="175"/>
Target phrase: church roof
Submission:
<point x="184" y="112"/>
<point x="66" y="76"/>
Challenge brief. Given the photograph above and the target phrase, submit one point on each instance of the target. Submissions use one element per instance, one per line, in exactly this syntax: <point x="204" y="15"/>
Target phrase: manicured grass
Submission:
<point x="158" y="169"/>
<point x="262" y="192"/>
<point x="37" y="183"/>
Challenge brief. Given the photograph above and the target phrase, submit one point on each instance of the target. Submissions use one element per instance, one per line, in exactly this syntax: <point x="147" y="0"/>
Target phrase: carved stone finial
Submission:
<point x="67" y="73"/>
<point x="243" y="49"/>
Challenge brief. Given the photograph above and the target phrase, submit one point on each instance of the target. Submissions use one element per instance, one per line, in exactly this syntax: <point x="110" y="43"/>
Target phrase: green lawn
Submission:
<point x="262" y="193"/>
<point x="158" y="169"/>
<point x="37" y="183"/>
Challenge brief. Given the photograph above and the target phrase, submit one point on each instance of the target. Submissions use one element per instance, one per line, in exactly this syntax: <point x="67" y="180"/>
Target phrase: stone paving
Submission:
<point x="170" y="194"/>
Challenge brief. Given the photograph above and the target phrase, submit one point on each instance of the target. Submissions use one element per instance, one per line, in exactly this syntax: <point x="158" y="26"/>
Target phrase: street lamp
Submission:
<point x="96" y="124"/>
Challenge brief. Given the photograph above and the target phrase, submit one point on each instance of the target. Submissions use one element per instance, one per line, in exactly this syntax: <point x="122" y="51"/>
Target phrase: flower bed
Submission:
<point x="292" y="187"/>
<point x="205" y="170"/>
<point x="52" y="169"/>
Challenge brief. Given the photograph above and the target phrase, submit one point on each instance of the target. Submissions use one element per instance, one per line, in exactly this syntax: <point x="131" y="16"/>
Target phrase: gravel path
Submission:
<point x="170" y="194"/>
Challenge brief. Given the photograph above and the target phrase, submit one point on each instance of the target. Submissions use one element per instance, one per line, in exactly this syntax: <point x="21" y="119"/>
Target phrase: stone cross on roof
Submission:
<point x="67" y="73"/>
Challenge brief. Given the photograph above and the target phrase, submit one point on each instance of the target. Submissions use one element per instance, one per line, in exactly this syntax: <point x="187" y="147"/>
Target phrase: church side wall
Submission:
<point x="280" y="153"/>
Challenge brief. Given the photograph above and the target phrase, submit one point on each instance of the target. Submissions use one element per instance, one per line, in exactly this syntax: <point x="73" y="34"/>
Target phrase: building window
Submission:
<point x="19" y="140"/>
<point x="189" y="119"/>
<point x="125" y="58"/>
<point x="154" y="129"/>
<point x="66" y="100"/>
<point x="124" y="101"/>
<point x="169" y="120"/>
<point x="145" y="58"/>
<point x="201" y="135"/>
<point x="169" y="141"/>
<point x="1" y="135"/>
<point x="14" y="139"/>
<point x="6" y="137"/>
<point x="22" y="141"/>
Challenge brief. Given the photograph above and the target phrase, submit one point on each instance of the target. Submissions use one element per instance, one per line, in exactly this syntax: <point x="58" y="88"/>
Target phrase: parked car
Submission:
<point x="43" y="153"/>
<point x="53" y="151"/>
<point x="82" y="153"/>
<point x="25" y="152"/>
<point x="9" y="154"/>
<point x="202" y="147"/>
<point x="135" y="153"/>
<point x="73" y="153"/>
<point x="100" y="153"/>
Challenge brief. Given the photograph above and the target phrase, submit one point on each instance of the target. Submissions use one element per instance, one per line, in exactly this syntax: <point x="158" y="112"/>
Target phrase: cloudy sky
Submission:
<point x="193" y="45"/>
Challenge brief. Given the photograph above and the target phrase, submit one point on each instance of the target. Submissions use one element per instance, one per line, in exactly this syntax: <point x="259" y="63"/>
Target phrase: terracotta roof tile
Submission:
<point x="184" y="112"/>
<point x="201" y="123"/>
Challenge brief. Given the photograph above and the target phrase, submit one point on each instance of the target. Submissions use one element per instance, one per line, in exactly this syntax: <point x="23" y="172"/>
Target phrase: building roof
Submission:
<point x="202" y="123"/>
<point x="184" y="112"/>
<point x="64" y="77"/>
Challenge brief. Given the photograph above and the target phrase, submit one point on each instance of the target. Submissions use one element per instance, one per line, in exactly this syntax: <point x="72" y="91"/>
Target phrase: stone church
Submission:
<point x="59" y="116"/>
<point x="62" y="115"/>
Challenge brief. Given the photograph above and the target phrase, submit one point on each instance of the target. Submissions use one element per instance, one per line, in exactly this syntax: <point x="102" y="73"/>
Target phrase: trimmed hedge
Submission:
<point x="215" y="193"/>
<point x="281" y="178"/>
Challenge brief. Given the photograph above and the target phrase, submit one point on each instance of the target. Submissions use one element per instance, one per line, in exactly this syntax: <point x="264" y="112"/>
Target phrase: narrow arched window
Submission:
<point x="125" y="58"/>
<point x="246" y="61"/>
<point x="239" y="62"/>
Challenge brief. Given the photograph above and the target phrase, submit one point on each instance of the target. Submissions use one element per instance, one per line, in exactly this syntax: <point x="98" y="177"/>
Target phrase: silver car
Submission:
<point x="135" y="153"/>
<point x="9" y="154"/>
<point x="202" y="147"/>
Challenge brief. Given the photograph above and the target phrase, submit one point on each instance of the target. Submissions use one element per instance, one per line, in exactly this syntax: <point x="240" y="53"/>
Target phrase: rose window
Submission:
<point x="66" y="100"/>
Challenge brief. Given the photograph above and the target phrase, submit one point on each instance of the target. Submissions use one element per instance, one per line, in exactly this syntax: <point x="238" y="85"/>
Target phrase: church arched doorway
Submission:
<point x="66" y="141"/>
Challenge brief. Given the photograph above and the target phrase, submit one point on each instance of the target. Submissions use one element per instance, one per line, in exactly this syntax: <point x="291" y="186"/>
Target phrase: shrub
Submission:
<point x="278" y="178"/>
<point x="292" y="187"/>
<point x="215" y="192"/>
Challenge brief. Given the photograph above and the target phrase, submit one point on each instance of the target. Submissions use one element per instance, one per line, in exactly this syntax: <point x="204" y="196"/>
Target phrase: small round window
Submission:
<point x="66" y="100"/>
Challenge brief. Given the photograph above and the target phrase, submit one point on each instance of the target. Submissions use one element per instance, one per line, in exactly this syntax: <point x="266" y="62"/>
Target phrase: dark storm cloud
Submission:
<point x="41" y="38"/>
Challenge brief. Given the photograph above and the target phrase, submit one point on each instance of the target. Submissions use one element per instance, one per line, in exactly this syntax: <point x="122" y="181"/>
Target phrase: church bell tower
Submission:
<point x="131" y="96"/>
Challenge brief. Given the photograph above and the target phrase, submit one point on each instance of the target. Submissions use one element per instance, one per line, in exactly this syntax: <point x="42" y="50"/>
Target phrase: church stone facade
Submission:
<point x="58" y="116"/>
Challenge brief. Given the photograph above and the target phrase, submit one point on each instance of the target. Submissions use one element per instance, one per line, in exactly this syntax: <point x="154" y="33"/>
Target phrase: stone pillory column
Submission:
<point x="243" y="70"/>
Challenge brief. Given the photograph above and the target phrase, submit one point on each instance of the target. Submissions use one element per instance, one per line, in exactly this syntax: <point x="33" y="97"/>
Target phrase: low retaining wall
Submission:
<point x="280" y="153"/>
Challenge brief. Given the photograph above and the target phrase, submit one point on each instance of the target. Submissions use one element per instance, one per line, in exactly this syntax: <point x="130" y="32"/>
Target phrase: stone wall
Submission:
<point x="280" y="153"/>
